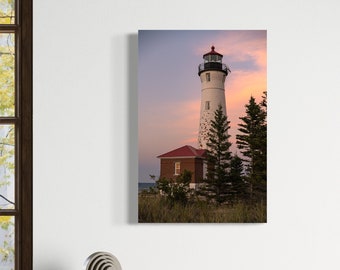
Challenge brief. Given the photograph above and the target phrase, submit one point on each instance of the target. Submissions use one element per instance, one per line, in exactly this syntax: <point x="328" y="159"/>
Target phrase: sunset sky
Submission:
<point x="169" y="88"/>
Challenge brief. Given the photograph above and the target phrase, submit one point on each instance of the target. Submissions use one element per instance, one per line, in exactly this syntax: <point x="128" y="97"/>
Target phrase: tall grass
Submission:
<point x="156" y="209"/>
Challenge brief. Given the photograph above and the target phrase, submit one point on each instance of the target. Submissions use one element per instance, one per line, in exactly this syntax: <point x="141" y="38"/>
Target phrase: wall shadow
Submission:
<point x="132" y="116"/>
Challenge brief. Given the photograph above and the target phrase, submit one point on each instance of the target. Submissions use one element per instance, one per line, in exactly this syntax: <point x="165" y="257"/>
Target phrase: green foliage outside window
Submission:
<point x="7" y="136"/>
<point x="7" y="11"/>
<point x="7" y="243"/>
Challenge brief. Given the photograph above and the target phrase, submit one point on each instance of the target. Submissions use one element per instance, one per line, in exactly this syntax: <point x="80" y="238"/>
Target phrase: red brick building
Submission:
<point x="188" y="158"/>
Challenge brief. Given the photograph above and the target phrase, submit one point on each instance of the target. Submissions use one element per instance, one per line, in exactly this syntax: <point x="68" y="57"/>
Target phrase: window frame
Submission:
<point x="177" y="169"/>
<point x="23" y="84"/>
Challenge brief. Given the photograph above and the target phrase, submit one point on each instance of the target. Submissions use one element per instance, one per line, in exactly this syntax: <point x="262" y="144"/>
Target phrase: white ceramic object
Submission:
<point x="102" y="261"/>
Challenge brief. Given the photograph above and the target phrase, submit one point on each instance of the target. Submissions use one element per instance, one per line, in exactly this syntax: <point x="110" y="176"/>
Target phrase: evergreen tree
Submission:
<point x="253" y="145"/>
<point x="263" y="105"/>
<point x="239" y="186"/>
<point x="216" y="185"/>
<point x="264" y="102"/>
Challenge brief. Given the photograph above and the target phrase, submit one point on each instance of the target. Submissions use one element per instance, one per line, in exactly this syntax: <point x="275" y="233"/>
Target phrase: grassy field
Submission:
<point x="156" y="209"/>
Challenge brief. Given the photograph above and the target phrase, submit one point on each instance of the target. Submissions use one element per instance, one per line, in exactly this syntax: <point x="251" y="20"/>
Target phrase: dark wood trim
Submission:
<point x="25" y="87"/>
<point x="8" y="212"/>
<point x="8" y="120"/>
<point x="8" y="28"/>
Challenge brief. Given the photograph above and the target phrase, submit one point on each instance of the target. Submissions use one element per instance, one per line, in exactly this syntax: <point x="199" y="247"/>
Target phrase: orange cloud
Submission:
<point x="175" y="123"/>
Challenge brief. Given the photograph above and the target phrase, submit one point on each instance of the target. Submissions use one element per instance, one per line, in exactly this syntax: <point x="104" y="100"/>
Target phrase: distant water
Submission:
<point x="142" y="186"/>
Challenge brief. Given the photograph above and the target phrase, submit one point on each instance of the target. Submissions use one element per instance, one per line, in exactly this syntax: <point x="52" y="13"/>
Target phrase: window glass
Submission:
<point x="207" y="77"/>
<point x="7" y="15"/>
<point x="177" y="168"/>
<point x="7" y="242"/>
<point x="7" y="152"/>
<point x="7" y="60"/>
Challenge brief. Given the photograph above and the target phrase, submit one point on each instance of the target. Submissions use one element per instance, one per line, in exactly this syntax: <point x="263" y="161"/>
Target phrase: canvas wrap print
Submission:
<point x="202" y="126"/>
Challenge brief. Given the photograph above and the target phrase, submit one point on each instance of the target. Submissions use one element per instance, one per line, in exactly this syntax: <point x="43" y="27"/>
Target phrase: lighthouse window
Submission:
<point x="207" y="77"/>
<point x="207" y="105"/>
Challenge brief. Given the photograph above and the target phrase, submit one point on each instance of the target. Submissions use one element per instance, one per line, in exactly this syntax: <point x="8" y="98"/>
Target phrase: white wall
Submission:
<point x="85" y="142"/>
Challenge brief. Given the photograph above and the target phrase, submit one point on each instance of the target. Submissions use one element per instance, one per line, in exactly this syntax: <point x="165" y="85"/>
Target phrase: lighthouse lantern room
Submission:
<point x="212" y="74"/>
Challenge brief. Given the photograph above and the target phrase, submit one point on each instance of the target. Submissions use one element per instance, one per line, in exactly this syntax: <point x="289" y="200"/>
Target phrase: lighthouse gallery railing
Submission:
<point x="213" y="66"/>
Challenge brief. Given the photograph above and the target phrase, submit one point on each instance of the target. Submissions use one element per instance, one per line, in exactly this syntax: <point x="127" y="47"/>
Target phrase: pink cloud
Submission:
<point x="238" y="47"/>
<point x="174" y="123"/>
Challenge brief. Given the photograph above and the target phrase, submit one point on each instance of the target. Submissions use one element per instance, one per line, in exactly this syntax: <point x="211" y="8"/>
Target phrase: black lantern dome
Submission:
<point x="213" y="61"/>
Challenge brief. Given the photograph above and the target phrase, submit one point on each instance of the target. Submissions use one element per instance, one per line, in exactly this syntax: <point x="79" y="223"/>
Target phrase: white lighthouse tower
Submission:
<point x="213" y="74"/>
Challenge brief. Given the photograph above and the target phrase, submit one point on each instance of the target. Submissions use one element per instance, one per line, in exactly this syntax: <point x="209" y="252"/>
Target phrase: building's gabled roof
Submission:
<point x="184" y="152"/>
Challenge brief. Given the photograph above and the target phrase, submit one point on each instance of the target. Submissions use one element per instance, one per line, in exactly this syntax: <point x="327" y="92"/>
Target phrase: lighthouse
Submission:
<point x="212" y="73"/>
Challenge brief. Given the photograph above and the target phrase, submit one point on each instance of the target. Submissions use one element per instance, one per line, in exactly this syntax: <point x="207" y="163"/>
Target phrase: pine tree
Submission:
<point x="263" y="105"/>
<point x="239" y="186"/>
<point x="253" y="145"/>
<point x="216" y="183"/>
